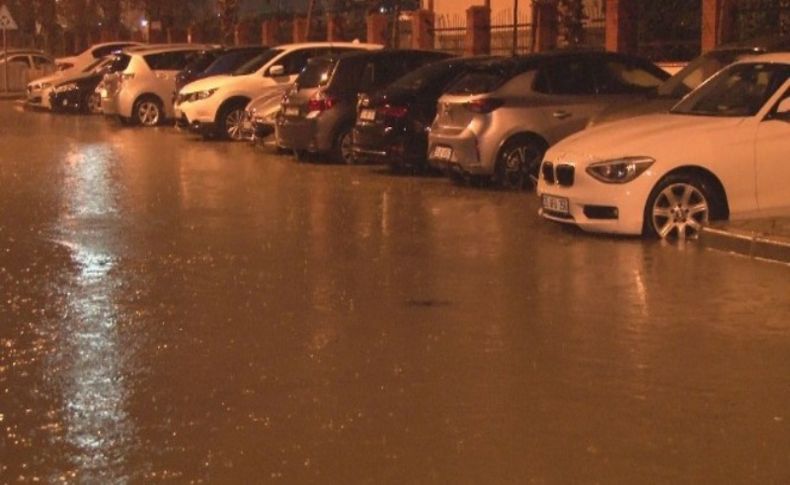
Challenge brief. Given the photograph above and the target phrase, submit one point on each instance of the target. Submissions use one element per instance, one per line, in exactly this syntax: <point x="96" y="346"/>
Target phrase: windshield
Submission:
<point x="230" y="62"/>
<point x="697" y="71"/>
<point x="738" y="91"/>
<point x="316" y="73"/>
<point x="201" y="61"/>
<point x="257" y="62"/>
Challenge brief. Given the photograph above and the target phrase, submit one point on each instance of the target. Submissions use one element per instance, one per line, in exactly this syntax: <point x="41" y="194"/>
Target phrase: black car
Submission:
<point x="78" y="94"/>
<point x="318" y="114"/>
<point x="213" y="62"/>
<point x="392" y="125"/>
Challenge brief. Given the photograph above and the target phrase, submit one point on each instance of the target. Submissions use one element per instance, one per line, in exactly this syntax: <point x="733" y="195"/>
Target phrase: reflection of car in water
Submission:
<point x="691" y="76"/>
<point x="722" y="151"/>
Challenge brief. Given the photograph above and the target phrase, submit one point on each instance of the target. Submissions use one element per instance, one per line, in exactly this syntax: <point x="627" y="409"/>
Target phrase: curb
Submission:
<point x="752" y="244"/>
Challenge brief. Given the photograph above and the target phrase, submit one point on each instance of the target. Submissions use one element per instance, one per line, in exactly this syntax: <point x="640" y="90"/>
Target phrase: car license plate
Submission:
<point x="555" y="204"/>
<point x="442" y="153"/>
<point x="367" y="115"/>
<point x="291" y="111"/>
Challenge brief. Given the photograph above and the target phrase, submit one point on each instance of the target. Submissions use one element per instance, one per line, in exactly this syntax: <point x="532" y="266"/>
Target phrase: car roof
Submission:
<point x="307" y="45"/>
<point x="774" y="58"/>
<point x="373" y="54"/>
<point x="159" y="49"/>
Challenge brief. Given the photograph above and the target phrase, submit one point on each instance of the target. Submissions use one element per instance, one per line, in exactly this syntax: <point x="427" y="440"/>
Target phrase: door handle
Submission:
<point x="561" y="115"/>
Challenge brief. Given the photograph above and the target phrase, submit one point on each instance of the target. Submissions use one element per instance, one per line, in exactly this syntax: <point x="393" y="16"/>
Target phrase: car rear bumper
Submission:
<point x="394" y="149"/>
<point x="464" y="154"/>
<point x="298" y="134"/>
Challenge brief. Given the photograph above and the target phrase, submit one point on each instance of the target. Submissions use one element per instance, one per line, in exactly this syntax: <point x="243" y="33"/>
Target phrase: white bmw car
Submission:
<point x="721" y="152"/>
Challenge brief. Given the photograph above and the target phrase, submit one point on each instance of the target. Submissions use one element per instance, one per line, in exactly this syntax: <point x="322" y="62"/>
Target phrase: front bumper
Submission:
<point x="595" y="206"/>
<point x="66" y="101"/>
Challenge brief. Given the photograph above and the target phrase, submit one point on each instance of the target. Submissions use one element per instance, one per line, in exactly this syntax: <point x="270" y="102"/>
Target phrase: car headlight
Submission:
<point x="620" y="170"/>
<point x="66" y="87"/>
<point x="200" y="95"/>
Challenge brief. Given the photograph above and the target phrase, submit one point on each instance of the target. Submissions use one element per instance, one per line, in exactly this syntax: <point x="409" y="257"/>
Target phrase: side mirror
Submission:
<point x="276" y="71"/>
<point x="782" y="110"/>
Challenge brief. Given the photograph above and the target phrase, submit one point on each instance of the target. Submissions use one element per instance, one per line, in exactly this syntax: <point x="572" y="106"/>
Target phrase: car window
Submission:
<point x="42" y="62"/>
<point x="316" y="73"/>
<point x="230" y="62"/>
<point x="257" y="62"/>
<point x="168" y="61"/>
<point x="616" y="76"/>
<point x="478" y="81"/>
<point x="738" y="91"/>
<point x="21" y="59"/>
<point x="434" y="75"/>
<point x="294" y="62"/>
<point x="106" y="50"/>
<point x="518" y="85"/>
<point x="565" y="77"/>
<point x="697" y="71"/>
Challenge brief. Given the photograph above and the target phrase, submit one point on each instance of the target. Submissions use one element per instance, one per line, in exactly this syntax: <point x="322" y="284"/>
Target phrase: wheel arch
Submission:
<point x="232" y="101"/>
<point x="709" y="177"/>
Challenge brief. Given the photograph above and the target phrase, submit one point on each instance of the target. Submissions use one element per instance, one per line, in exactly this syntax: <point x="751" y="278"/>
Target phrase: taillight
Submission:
<point x="393" y="111"/>
<point x="320" y="102"/>
<point x="484" y="105"/>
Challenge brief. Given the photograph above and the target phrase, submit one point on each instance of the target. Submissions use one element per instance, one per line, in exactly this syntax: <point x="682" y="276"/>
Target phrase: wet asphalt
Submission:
<point x="187" y="311"/>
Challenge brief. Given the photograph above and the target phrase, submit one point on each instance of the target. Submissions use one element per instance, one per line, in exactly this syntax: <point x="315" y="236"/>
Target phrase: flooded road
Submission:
<point x="189" y="311"/>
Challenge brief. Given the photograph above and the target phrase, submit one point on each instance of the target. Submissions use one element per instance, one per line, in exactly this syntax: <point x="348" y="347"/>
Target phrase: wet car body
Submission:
<point x="78" y="95"/>
<point x="319" y="112"/>
<point x="262" y="113"/>
<point x="392" y="125"/>
<point x="692" y="75"/>
<point x="498" y="120"/>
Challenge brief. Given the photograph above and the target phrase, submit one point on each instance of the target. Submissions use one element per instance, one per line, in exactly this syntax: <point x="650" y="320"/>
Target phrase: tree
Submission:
<point x="229" y="15"/>
<point x="570" y="19"/>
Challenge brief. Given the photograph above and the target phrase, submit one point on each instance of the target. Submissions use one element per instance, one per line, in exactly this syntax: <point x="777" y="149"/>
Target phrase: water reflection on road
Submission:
<point x="201" y="311"/>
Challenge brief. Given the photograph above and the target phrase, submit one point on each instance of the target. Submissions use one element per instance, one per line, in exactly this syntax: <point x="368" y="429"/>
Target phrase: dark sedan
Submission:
<point x="392" y="125"/>
<point x="318" y="113"/>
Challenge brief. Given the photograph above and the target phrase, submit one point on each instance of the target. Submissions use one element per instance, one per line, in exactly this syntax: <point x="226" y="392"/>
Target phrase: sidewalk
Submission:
<point x="767" y="239"/>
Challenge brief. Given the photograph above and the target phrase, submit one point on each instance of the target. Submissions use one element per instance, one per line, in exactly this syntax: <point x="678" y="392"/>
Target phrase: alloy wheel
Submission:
<point x="680" y="210"/>
<point x="516" y="166"/>
<point x="234" y="124"/>
<point x="148" y="113"/>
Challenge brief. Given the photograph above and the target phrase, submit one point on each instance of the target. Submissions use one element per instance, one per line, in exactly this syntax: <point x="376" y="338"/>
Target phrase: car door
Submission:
<point x="568" y="98"/>
<point x="772" y="159"/>
<point x="41" y="67"/>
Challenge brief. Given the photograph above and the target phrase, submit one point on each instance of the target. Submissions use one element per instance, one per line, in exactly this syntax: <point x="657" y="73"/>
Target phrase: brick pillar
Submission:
<point x="334" y="27"/>
<point x="193" y="34"/>
<point x="545" y="25"/>
<point x="717" y="23"/>
<point x="300" y="29"/>
<point x="478" y="31"/>
<point x="422" y="22"/>
<point x="269" y="30"/>
<point x="377" y="28"/>
<point x="621" y="20"/>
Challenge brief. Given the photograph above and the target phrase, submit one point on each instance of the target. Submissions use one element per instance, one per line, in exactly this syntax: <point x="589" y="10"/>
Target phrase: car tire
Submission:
<point x="517" y="164"/>
<point x="148" y="111"/>
<point x="230" y="121"/>
<point x="680" y="205"/>
<point x="342" y="152"/>
<point x="91" y="103"/>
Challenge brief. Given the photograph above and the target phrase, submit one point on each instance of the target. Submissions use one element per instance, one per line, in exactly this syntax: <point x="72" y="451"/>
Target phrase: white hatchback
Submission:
<point x="721" y="152"/>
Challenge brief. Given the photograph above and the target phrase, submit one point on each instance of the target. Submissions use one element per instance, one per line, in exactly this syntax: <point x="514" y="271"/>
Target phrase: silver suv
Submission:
<point x="500" y="118"/>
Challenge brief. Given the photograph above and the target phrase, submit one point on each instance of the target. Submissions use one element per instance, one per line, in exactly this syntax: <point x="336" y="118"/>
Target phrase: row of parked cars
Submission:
<point x="611" y="142"/>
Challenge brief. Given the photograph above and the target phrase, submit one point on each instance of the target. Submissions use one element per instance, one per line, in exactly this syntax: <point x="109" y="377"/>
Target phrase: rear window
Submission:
<point x="425" y="78"/>
<point x="316" y="73"/>
<point x="479" y="81"/>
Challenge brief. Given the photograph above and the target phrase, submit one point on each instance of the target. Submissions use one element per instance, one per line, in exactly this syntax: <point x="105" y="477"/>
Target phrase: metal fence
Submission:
<point x="449" y="33"/>
<point x="502" y="33"/>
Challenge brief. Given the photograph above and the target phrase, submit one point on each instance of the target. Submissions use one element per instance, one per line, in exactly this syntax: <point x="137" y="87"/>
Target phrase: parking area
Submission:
<point x="199" y="311"/>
